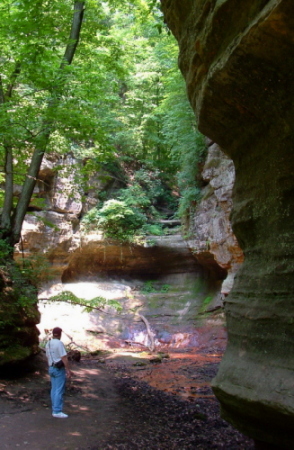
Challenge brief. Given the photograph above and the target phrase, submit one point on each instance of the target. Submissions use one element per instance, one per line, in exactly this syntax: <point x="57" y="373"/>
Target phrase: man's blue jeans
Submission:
<point x="58" y="379"/>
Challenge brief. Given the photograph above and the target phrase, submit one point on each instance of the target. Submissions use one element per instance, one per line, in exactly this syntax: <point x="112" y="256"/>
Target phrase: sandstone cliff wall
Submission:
<point x="238" y="64"/>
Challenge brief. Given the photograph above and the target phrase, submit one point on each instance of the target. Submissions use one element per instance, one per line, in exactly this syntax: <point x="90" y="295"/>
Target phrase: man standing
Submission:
<point x="58" y="371"/>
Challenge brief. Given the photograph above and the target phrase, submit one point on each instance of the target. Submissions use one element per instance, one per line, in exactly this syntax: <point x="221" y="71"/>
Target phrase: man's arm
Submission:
<point x="66" y="365"/>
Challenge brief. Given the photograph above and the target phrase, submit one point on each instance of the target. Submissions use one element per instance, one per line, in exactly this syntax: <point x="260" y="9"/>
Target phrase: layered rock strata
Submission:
<point x="238" y="65"/>
<point x="212" y="240"/>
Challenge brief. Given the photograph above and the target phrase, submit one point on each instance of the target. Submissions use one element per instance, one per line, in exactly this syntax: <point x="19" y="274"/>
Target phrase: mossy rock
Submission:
<point x="18" y="316"/>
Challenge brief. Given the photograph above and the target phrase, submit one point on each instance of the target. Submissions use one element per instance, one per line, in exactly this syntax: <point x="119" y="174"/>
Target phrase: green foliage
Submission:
<point x="153" y="229"/>
<point x="148" y="191"/>
<point x="165" y="288"/>
<point x="17" y="306"/>
<point x="90" y="220"/>
<point x="5" y="252"/>
<point x="123" y="99"/>
<point x="135" y="196"/>
<point x="187" y="143"/>
<point x="150" y="288"/>
<point x="159" y="124"/>
<point x="33" y="37"/>
<point x="135" y="211"/>
<point x="23" y="292"/>
<point x="188" y="176"/>
<point x="95" y="303"/>
<point x="205" y="304"/>
<point x="36" y="268"/>
<point x="118" y="221"/>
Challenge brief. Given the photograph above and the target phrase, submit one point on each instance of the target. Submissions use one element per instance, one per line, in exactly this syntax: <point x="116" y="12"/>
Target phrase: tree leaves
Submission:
<point x="122" y="98"/>
<point x="99" y="303"/>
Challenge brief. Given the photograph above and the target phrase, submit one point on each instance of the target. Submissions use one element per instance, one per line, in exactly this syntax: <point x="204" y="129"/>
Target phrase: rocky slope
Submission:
<point x="238" y="65"/>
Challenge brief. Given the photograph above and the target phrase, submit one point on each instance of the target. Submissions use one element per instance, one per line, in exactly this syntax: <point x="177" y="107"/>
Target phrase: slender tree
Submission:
<point x="11" y="223"/>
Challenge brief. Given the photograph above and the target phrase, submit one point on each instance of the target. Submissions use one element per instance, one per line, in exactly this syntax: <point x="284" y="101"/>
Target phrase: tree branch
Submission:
<point x="75" y="31"/>
<point x="97" y="308"/>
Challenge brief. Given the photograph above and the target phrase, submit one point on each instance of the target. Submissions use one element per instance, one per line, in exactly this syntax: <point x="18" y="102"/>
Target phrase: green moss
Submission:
<point x="14" y="353"/>
<point x="155" y="301"/>
<point x="153" y="287"/>
<point x="207" y="300"/>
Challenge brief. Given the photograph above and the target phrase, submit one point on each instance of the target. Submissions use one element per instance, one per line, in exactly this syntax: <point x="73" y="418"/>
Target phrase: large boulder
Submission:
<point x="238" y="65"/>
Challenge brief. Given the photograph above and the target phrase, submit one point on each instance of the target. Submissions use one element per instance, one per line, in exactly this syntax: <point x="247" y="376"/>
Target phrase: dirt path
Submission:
<point x="111" y="406"/>
<point x="91" y="401"/>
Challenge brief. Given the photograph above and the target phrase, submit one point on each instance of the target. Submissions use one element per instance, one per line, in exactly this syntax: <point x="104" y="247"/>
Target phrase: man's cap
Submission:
<point x="56" y="331"/>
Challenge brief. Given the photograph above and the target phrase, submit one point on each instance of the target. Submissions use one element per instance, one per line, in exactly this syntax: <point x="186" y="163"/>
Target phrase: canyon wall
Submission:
<point x="238" y="65"/>
<point x="211" y="237"/>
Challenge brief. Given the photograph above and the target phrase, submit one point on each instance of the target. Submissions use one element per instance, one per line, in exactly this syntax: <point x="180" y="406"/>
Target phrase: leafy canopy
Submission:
<point x="122" y="98"/>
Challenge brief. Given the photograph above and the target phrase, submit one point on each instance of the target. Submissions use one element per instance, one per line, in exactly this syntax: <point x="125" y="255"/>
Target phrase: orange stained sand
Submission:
<point x="185" y="375"/>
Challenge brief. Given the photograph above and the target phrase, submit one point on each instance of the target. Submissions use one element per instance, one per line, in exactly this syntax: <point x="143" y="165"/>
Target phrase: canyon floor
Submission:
<point x="120" y="400"/>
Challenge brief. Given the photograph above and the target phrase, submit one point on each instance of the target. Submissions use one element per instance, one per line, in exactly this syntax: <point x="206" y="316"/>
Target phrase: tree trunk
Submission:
<point x="8" y="199"/>
<point x="47" y="126"/>
<point x="8" y="167"/>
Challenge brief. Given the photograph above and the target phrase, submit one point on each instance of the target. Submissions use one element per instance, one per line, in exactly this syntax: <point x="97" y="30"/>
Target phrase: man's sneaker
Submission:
<point x="60" y="415"/>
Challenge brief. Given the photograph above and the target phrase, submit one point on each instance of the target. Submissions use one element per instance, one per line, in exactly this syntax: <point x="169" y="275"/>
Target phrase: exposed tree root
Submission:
<point x="149" y="332"/>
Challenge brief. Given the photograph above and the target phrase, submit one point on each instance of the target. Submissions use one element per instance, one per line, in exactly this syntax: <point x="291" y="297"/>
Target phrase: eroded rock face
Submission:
<point x="96" y="256"/>
<point x="170" y="304"/>
<point x="90" y="266"/>
<point x="238" y="65"/>
<point x="213" y="242"/>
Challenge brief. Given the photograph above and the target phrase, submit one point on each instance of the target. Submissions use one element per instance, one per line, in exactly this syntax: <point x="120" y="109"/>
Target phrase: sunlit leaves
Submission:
<point x="99" y="302"/>
<point x="122" y="98"/>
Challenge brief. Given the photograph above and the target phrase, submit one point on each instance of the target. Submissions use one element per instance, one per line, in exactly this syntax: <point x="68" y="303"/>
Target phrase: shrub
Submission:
<point x="119" y="221"/>
<point x="136" y="210"/>
<point x="153" y="229"/>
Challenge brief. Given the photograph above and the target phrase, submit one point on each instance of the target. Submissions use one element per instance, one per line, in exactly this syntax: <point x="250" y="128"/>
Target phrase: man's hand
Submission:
<point x="67" y="369"/>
